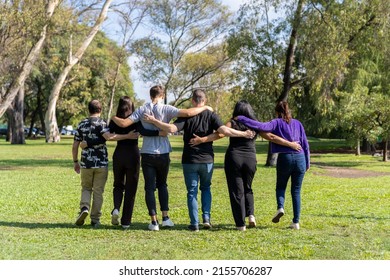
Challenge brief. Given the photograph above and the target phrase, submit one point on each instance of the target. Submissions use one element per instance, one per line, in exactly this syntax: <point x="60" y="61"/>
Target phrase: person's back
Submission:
<point x="155" y="144"/>
<point x="241" y="145"/>
<point x="90" y="129"/>
<point x="201" y="125"/>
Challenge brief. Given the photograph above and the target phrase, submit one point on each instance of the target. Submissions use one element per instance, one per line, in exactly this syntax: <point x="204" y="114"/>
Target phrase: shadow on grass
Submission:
<point x="345" y="164"/>
<point x="341" y="216"/>
<point x="32" y="163"/>
<point x="133" y="226"/>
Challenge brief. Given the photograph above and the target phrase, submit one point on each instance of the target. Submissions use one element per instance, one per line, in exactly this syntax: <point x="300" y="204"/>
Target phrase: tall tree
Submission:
<point x="29" y="60"/>
<point x="52" y="132"/>
<point x="180" y="27"/>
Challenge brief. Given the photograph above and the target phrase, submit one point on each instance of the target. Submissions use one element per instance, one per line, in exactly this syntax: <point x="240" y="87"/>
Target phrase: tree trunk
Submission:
<point x="52" y="132"/>
<point x="358" y="153"/>
<point x="113" y="89"/>
<point x="384" y="142"/>
<point x="290" y="55"/>
<point x="271" y="157"/>
<point x="17" y="118"/>
<point x="13" y="90"/>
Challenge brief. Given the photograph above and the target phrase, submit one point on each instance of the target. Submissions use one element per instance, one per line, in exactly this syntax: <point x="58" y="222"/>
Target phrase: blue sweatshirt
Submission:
<point x="293" y="132"/>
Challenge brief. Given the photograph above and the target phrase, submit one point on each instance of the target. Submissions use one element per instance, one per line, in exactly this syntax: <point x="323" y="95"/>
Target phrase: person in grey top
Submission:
<point x="155" y="151"/>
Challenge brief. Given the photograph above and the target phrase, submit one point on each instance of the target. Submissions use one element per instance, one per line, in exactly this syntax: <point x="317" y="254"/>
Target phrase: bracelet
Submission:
<point x="76" y="161"/>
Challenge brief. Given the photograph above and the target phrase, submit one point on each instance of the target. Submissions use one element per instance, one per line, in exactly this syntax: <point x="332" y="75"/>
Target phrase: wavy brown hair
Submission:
<point x="283" y="111"/>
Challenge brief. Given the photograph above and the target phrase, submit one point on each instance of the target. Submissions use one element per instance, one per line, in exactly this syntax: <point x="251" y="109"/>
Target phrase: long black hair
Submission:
<point x="242" y="108"/>
<point x="125" y="107"/>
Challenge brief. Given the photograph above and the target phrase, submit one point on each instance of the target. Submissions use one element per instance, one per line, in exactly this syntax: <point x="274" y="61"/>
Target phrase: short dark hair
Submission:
<point x="125" y="107"/>
<point x="199" y="96"/>
<point x="156" y="91"/>
<point x="94" y="107"/>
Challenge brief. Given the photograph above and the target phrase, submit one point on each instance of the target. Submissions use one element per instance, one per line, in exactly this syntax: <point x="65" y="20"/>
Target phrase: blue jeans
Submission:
<point x="294" y="166"/>
<point x="195" y="173"/>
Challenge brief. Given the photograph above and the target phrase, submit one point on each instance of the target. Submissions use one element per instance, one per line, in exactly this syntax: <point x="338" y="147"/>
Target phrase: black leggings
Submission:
<point x="240" y="171"/>
<point x="126" y="165"/>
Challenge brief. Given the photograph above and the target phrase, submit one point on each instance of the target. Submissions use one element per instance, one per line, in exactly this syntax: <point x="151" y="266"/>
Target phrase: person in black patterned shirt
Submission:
<point x="93" y="164"/>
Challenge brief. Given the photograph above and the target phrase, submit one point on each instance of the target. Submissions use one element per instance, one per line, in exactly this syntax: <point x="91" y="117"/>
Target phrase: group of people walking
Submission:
<point x="201" y="126"/>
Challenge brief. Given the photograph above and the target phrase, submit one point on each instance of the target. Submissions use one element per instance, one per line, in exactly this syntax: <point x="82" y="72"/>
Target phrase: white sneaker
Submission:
<point x="278" y="215"/>
<point x="241" y="228"/>
<point x="294" y="226"/>
<point x="252" y="221"/>
<point x="125" y="226"/>
<point x="115" y="217"/>
<point x="153" y="227"/>
<point x="168" y="223"/>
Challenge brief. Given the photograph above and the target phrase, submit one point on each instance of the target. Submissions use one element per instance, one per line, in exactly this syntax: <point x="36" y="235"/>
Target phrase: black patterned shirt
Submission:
<point x="91" y="130"/>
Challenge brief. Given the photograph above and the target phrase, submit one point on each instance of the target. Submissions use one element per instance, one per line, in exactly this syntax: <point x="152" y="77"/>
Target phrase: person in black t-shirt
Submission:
<point x="198" y="161"/>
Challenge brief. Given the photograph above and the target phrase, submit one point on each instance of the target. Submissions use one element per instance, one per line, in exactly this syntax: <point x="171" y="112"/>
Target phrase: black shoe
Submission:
<point x="207" y="224"/>
<point x="82" y="215"/>
<point x="95" y="224"/>
<point x="193" y="228"/>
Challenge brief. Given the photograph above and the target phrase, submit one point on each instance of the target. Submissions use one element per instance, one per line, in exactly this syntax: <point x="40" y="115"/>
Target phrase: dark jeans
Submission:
<point x="126" y="165"/>
<point x="294" y="166"/>
<point x="155" y="169"/>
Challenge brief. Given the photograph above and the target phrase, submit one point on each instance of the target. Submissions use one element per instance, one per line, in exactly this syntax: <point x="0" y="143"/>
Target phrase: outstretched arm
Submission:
<point x="227" y="131"/>
<point x="280" y="141"/>
<point x="161" y="125"/>
<point x="122" y="122"/>
<point x="186" y="113"/>
<point x="209" y="138"/>
<point x="117" y="137"/>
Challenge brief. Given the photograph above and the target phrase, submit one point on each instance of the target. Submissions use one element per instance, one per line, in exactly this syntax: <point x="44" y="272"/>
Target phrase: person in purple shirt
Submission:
<point x="291" y="163"/>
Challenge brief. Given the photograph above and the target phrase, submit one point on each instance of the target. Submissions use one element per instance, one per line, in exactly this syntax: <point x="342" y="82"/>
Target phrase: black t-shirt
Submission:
<point x="202" y="125"/>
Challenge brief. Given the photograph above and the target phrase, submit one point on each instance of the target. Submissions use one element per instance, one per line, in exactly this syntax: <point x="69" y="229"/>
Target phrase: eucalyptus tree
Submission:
<point x="130" y="15"/>
<point x="52" y="131"/>
<point x="179" y="27"/>
<point x="23" y="30"/>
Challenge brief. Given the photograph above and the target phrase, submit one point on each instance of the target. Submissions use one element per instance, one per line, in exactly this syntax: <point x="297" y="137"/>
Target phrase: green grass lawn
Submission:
<point x="342" y="218"/>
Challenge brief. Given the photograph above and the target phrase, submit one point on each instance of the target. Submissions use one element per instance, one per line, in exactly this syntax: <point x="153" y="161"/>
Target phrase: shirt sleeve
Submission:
<point x="179" y="123"/>
<point x="136" y="115"/>
<point x="256" y="125"/>
<point x="216" y="121"/>
<point x="305" y="146"/>
<point x="171" y="111"/>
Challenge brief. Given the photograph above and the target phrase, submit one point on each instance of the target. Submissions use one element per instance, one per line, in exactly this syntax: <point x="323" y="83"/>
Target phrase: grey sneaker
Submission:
<point x="252" y="221"/>
<point x="278" y="215"/>
<point x="168" y="223"/>
<point x="81" y="217"/>
<point x="115" y="217"/>
<point x="294" y="226"/>
<point x="153" y="227"/>
<point x="207" y="224"/>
